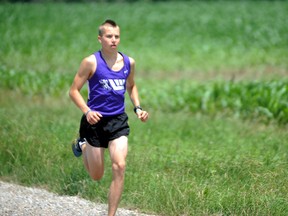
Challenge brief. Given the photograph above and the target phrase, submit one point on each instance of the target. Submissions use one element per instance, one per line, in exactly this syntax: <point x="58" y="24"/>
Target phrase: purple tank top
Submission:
<point x="106" y="88"/>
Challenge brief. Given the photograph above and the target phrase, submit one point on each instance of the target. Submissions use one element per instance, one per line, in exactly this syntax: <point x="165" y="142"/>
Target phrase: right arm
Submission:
<point x="85" y="71"/>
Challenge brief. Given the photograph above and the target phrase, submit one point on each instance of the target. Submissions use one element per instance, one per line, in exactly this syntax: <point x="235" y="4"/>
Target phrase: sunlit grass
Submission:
<point x="165" y="37"/>
<point x="261" y="100"/>
<point x="178" y="163"/>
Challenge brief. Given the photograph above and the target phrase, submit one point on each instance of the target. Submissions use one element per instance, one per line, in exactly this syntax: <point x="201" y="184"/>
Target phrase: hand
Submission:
<point x="142" y="115"/>
<point x="93" y="117"/>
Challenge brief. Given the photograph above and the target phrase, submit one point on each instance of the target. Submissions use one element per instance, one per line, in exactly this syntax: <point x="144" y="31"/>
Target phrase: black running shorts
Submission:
<point x="107" y="129"/>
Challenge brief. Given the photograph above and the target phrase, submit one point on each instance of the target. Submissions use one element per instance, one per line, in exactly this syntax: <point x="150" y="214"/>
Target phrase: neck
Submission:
<point x="109" y="55"/>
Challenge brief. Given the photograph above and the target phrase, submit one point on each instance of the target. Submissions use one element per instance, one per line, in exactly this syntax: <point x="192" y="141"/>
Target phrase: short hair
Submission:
<point x="109" y="22"/>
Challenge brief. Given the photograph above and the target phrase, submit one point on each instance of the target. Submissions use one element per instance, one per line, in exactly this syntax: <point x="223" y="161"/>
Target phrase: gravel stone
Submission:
<point x="16" y="200"/>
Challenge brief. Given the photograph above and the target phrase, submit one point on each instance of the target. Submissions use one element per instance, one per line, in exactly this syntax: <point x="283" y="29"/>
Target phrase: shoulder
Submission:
<point x="132" y="66"/>
<point x="89" y="62"/>
<point x="88" y="66"/>
<point x="132" y="61"/>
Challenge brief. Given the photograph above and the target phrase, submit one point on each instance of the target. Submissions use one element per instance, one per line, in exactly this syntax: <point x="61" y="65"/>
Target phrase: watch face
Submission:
<point x="137" y="109"/>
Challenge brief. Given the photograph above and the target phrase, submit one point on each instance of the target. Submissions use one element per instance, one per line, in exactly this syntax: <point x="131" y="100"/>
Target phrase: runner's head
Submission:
<point x="106" y="24"/>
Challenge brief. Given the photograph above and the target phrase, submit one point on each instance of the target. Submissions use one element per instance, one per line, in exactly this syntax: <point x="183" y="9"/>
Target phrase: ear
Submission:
<point x="99" y="39"/>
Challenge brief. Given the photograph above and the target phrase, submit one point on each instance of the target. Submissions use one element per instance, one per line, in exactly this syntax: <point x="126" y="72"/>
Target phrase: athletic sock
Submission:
<point x="81" y="143"/>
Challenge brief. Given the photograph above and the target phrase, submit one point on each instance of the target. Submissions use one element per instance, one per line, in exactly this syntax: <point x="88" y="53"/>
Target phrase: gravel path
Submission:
<point x="17" y="200"/>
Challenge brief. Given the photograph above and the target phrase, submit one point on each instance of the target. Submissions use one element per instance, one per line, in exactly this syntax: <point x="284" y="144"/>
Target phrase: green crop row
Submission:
<point x="247" y="99"/>
<point x="267" y="99"/>
<point x="32" y="82"/>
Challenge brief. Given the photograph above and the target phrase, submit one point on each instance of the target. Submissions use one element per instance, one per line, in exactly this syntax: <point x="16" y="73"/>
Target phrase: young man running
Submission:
<point x="104" y="123"/>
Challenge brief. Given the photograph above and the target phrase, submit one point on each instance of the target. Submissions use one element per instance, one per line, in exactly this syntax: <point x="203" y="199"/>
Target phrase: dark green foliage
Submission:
<point x="265" y="99"/>
<point x="247" y="99"/>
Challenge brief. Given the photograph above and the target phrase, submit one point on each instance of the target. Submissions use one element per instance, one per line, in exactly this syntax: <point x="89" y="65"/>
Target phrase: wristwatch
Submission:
<point x="137" y="108"/>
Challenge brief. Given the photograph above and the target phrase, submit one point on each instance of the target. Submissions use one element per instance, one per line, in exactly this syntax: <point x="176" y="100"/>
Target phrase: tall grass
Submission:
<point x="261" y="100"/>
<point x="267" y="100"/>
<point x="165" y="37"/>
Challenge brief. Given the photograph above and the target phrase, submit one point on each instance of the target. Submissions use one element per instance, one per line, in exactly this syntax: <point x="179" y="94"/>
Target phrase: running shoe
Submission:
<point x="76" y="146"/>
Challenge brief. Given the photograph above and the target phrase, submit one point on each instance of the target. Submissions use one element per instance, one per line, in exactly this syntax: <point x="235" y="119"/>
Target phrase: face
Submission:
<point x="110" y="38"/>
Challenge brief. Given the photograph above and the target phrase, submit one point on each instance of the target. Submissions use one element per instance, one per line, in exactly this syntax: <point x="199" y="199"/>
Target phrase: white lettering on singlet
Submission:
<point x="115" y="84"/>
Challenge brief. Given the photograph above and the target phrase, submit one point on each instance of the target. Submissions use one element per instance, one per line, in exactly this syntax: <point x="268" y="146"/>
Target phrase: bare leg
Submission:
<point x="93" y="159"/>
<point x="118" y="149"/>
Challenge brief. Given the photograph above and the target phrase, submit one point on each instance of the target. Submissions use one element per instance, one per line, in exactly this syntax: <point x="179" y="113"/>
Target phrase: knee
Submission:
<point x="96" y="176"/>
<point x="119" y="167"/>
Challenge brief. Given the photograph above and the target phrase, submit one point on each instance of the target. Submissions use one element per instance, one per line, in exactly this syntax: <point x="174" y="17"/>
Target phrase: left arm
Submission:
<point x="133" y="92"/>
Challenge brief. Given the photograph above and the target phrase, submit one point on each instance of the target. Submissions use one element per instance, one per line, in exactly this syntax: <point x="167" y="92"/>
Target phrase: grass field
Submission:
<point x="192" y="165"/>
<point x="174" y="37"/>
<point x="216" y="89"/>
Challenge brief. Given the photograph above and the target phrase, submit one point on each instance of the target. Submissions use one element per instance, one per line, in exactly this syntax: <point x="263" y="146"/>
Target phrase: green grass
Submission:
<point x="178" y="163"/>
<point x="263" y="100"/>
<point x="162" y="37"/>
<point x="216" y="89"/>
